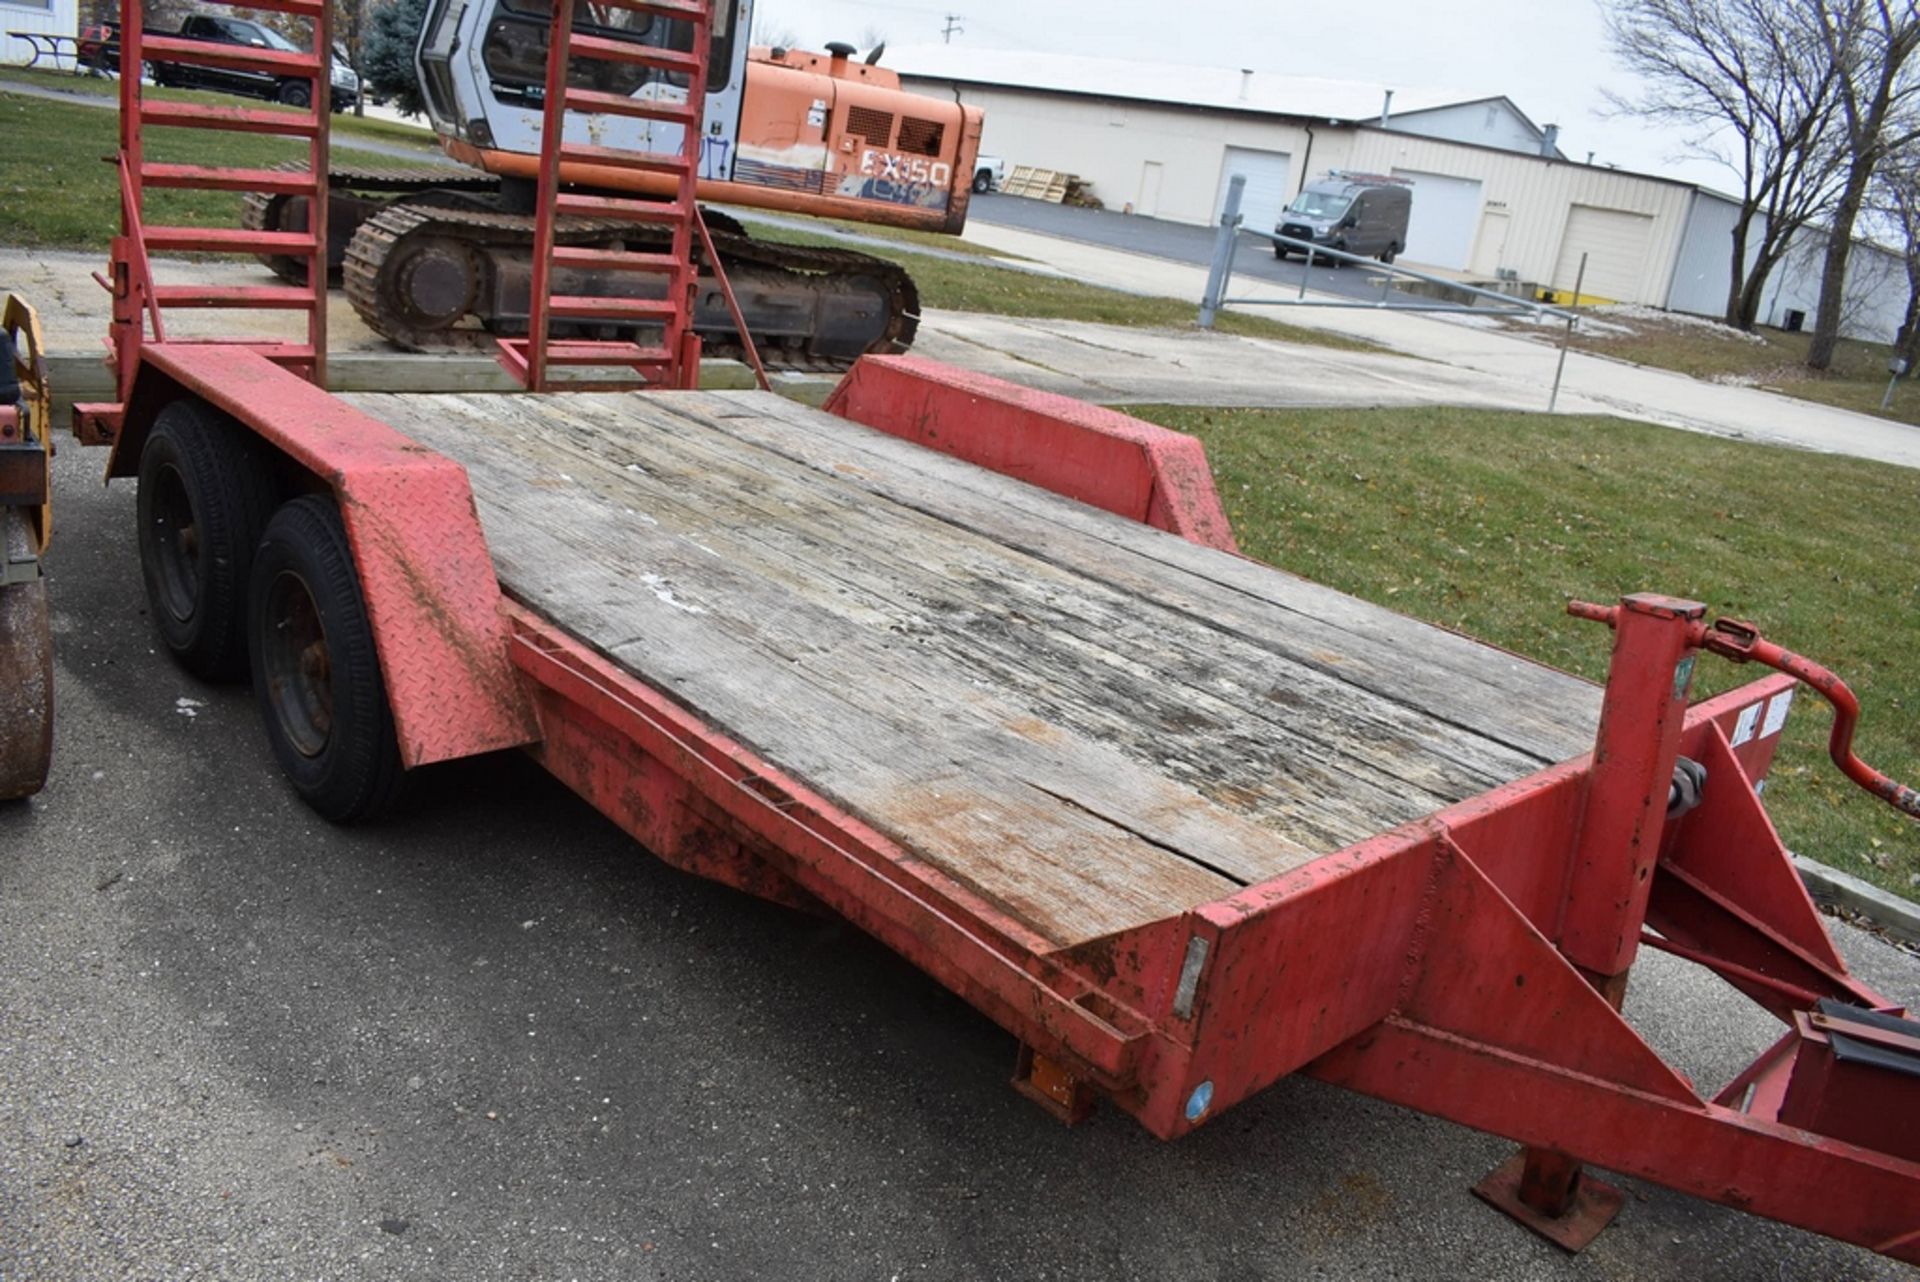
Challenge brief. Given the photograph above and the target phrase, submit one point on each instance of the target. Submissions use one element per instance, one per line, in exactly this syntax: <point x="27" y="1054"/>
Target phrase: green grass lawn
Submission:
<point x="1770" y="358"/>
<point x="58" y="188"/>
<point x="345" y="123"/>
<point x="1488" y="522"/>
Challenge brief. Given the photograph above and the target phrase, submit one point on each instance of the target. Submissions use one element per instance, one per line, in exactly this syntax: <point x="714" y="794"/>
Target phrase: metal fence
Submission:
<point x="1484" y="302"/>
<point x="1226" y="243"/>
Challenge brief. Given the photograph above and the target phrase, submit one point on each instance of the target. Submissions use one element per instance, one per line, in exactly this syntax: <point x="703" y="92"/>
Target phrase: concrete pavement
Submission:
<point x="1115" y="365"/>
<point x="1592" y="384"/>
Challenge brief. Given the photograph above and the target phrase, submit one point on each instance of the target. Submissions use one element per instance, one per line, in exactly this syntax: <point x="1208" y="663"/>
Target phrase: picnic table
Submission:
<point x="47" y="44"/>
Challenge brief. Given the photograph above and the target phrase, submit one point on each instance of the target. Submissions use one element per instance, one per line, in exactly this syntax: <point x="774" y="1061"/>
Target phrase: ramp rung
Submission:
<point x="613" y="260"/>
<point x="594" y="103"/>
<point x="280" y="353"/>
<point x="206" y="53"/>
<point x="664" y="8"/>
<point x="300" y="8"/>
<point x="561" y="351"/>
<point x="592" y="353"/>
<point x="191" y="115"/>
<point x="230" y="240"/>
<point x="289" y="297"/>
<point x="640" y="211"/>
<point x="204" y="178"/>
<point x="646" y="362"/>
<point x="601" y="47"/>
<point x="613" y="158"/>
<point x="602" y="307"/>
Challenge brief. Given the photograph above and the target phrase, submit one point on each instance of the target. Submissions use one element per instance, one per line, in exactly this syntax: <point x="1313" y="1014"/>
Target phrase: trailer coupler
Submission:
<point x="1817" y="1124"/>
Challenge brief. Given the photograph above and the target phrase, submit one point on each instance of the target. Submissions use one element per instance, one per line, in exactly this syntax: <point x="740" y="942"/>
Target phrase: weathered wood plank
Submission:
<point x="1090" y="728"/>
<point x="953" y="799"/>
<point x="1048" y="634"/>
<point x="1537" y="709"/>
<point x="1000" y="623"/>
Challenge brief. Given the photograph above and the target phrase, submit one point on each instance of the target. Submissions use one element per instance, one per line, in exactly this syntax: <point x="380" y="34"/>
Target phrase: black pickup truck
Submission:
<point x="99" y="48"/>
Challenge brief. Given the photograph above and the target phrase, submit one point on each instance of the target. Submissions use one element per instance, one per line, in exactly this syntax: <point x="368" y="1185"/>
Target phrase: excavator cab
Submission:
<point x="435" y="259"/>
<point x="483" y="65"/>
<point x="802" y="132"/>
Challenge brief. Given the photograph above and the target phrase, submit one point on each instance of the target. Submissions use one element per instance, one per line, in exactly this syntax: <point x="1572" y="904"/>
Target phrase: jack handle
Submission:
<point x="1740" y="642"/>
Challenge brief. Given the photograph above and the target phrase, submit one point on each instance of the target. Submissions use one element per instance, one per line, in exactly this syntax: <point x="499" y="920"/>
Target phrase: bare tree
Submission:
<point x="1752" y="81"/>
<point x="1872" y="43"/>
<point x="1893" y="207"/>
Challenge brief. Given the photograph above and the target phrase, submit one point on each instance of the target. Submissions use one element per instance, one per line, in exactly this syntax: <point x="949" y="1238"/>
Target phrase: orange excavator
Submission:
<point x="437" y="259"/>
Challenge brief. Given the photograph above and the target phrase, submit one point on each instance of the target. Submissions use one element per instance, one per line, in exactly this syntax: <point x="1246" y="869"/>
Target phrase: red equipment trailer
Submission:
<point x="981" y="670"/>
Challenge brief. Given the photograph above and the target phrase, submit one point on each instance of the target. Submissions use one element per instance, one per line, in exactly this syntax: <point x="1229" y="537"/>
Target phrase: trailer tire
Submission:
<point x="316" y="669"/>
<point x="206" y="491"/>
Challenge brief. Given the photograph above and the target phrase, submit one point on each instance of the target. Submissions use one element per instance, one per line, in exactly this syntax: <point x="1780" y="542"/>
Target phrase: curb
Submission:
<point x="1898" y="917"/>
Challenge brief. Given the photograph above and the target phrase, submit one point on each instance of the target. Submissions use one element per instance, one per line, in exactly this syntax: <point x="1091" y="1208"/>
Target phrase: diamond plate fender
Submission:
<point x="429" y="585"/>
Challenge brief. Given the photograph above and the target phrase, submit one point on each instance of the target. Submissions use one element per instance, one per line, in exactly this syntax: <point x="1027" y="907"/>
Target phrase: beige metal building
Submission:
<point x="1493" y="196"/>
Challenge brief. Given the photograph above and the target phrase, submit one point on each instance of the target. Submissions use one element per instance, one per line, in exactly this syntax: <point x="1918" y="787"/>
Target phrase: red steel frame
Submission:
<point x="1482" y="951"/>
<point x="1470" y="965"/>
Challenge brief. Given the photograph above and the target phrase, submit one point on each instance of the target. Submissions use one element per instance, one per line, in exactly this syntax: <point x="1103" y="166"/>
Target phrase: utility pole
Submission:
<point x="953" y="27"/>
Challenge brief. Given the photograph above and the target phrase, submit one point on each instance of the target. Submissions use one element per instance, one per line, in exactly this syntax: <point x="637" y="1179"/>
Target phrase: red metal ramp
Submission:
<point x="673" y="360"/>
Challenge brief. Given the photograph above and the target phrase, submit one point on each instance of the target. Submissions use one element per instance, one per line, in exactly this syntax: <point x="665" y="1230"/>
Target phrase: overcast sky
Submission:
<point x="1549" y="56"/>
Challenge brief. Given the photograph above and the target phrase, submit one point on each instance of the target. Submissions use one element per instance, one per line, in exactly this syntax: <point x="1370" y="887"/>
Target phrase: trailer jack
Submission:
<point x="1842" y="1069"/>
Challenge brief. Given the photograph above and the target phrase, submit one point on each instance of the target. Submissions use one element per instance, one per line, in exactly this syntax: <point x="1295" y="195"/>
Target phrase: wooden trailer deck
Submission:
<point x="1092" y="723"/>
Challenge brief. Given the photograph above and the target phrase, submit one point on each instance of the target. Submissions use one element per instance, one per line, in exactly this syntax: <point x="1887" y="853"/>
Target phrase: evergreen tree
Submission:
<point x="386" y="56"/>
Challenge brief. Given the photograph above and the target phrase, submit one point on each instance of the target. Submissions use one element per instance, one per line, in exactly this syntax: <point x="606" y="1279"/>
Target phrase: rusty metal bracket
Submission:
<point x="1048" y="1084"/>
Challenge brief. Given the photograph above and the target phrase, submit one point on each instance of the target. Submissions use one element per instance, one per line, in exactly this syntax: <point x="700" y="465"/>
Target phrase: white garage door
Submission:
<point x="1445" y="217"/>
<point x="1615" y="243"/>
<point x="1268" y="173"/>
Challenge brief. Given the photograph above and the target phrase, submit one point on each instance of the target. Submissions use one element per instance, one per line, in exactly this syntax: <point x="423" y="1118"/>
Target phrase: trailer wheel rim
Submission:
<point x="177" y="545"/>
<point x="299" y="669"/>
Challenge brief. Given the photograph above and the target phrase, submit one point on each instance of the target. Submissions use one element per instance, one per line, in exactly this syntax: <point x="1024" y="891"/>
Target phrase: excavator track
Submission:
<point x="262" y="212"/>
<point x="411" y="253"/>
<point x="447" y="185"/>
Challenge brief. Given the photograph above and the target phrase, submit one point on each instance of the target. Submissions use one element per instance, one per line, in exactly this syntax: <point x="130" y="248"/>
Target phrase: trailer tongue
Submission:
<point x="981" y="670"/>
